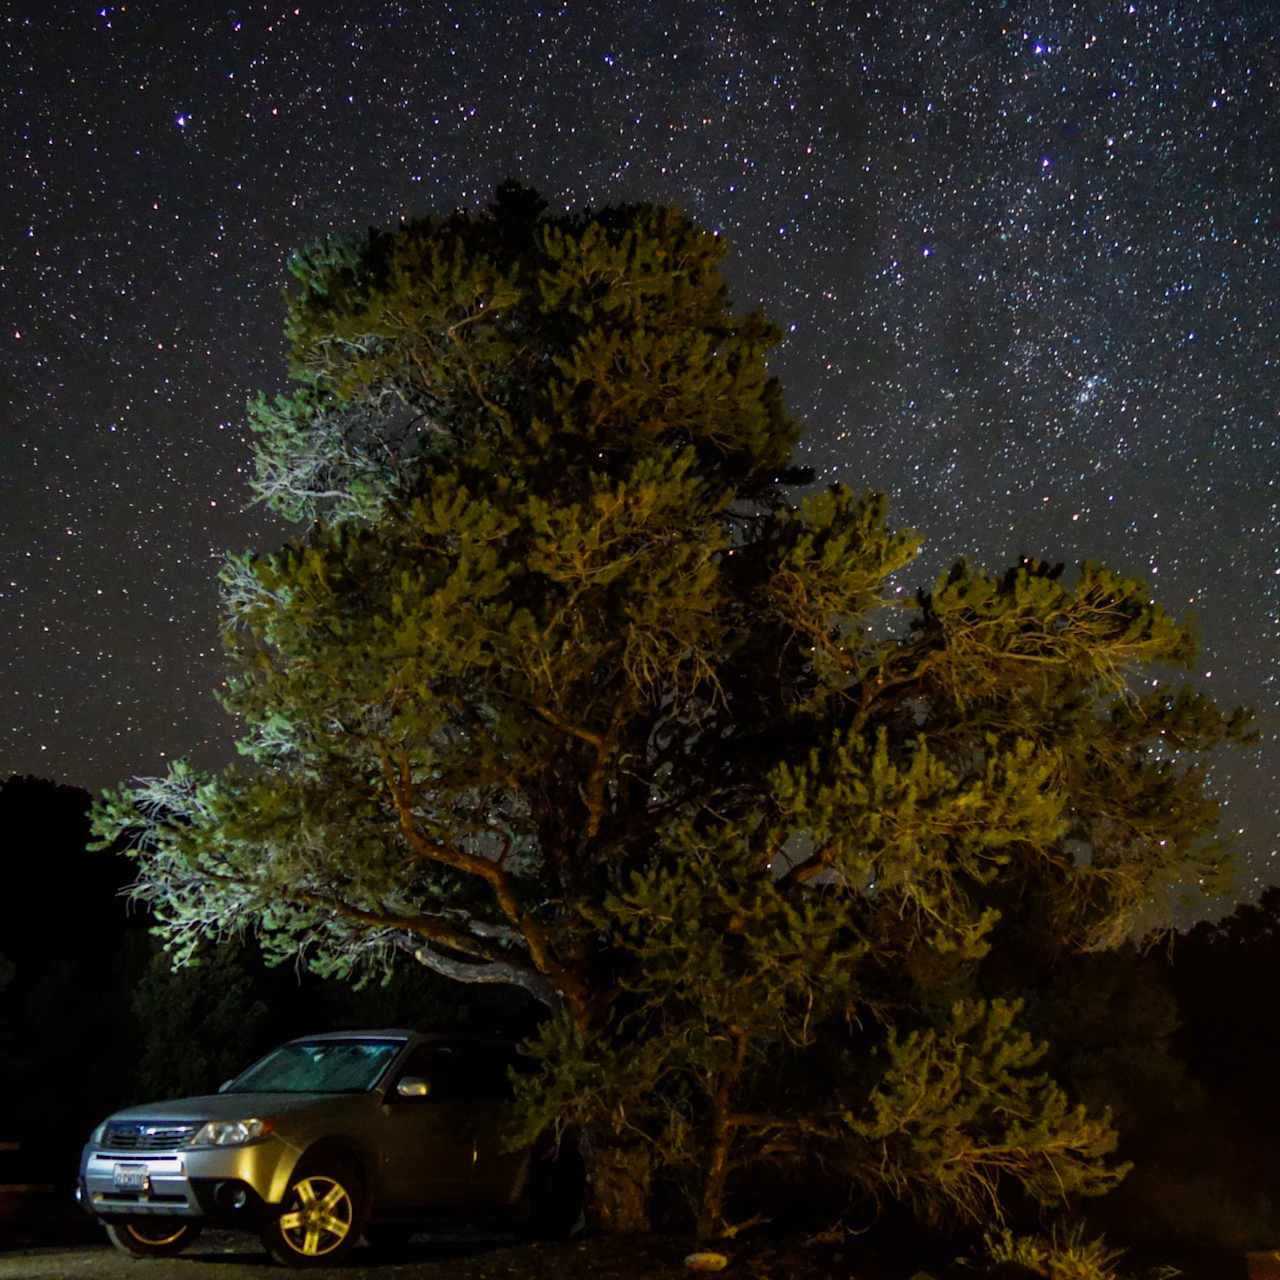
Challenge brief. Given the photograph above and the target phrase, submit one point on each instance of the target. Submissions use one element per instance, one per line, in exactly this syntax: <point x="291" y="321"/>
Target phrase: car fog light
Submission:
<point x="231" y="1195"/>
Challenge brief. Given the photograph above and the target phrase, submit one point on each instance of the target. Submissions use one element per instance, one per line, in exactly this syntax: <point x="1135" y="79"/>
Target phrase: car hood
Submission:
<point x="240" y="1106"/>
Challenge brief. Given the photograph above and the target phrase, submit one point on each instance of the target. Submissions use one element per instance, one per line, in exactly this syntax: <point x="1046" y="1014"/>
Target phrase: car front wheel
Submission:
<point x="320" y="1219"/>
<point x="151" y="1237"/>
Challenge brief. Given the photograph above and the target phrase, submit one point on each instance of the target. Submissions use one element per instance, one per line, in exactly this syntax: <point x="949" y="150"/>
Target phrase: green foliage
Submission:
<point x="1066" y="1256"/>
<point x="959" y="1110"/>
<point x="555" y="688"/>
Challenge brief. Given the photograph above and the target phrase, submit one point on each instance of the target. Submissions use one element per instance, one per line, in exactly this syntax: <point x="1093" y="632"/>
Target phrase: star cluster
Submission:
<point x="1026" y="254"/>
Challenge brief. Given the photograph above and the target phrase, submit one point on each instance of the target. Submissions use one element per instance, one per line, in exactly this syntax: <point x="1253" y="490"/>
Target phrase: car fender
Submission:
<point x="335" y="1148"/>
<point x="282" y="1173"/>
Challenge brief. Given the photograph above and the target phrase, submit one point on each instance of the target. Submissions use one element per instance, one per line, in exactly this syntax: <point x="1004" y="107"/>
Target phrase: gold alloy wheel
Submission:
<point x="319" y="1216"/>
<point x="155" y="1241"/>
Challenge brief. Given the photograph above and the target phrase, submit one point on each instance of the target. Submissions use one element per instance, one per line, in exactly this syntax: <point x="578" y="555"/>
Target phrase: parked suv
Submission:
<point x="325" y="1139"/>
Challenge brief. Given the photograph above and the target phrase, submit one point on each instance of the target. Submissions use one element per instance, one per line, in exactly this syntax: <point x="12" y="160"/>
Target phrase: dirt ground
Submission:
<point x="50" y="1239"/>
<point x="225" y="1256"/>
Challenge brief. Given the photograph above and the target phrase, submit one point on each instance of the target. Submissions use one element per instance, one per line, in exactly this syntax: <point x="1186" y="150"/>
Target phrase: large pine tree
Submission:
<point x="556" y="687"/>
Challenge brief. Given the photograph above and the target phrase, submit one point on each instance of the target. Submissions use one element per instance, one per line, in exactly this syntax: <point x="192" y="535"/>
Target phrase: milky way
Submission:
<point x="1026" y="256"/>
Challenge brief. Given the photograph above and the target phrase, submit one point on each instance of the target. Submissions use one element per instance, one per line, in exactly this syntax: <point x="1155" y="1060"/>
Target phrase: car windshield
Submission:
<point x="318" y="1066"/>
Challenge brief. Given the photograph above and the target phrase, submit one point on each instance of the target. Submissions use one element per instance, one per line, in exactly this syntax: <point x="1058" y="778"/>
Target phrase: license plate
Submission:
<point x="130" y="1177"/>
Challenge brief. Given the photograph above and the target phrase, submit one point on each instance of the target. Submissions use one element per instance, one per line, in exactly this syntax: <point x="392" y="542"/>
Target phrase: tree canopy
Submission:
<point x="558" y="685"/>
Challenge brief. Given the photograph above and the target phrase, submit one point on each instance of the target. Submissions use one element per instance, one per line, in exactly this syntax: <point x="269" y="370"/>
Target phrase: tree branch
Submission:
<point x="430" y="927"/>
<point x="570" y="984"/>
<point x="597" y="740"/>
<point x="498" y="971"/>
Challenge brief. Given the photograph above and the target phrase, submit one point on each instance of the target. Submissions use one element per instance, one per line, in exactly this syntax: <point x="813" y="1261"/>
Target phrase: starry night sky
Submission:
<point x="1027" y="256"/>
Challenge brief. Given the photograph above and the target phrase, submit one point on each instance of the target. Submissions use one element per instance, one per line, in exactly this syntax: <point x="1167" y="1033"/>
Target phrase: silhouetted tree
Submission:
<point x="1223" y="973"/>
<point x="65" y="935"/>
<point x="205" y="1022"/>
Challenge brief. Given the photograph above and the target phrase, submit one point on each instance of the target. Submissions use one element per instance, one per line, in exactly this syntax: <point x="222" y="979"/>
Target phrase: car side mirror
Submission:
<point x="413" y="1087"/>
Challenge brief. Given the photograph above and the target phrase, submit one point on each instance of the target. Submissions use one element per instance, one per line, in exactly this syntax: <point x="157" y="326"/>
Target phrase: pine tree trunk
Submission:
<point x="711" y="1210"/>
<point x="620" y="1177"/>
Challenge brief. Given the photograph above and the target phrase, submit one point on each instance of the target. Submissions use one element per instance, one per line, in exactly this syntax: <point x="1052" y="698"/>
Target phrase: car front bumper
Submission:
<point x="216" y="1184"/>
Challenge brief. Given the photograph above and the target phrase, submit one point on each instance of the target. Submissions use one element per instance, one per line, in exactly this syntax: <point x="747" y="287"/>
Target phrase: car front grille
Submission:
<point x="147" y="1135"/>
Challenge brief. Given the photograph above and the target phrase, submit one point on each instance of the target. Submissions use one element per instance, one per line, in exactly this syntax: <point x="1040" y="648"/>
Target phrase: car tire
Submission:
<point x="556" y="1194"/>
<point x="151" y="1237"/>
<point x="321" y="1218"/>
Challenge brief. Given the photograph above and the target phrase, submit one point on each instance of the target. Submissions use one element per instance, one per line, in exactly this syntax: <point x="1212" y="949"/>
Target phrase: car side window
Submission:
<point x="483" y="1071"/>
<point x="462" y="1072"/>
<point x="437" y="1064"/>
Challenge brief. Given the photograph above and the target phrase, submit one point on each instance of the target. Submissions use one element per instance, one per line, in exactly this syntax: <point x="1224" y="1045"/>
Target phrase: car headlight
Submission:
<point x="231" y="1133"/>
<point x="98" y="1134"/>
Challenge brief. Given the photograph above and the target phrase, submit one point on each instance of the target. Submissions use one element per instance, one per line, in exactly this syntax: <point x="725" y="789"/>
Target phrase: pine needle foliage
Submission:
<point x="1067" y="1255"/>
<point x="558" y="685"/>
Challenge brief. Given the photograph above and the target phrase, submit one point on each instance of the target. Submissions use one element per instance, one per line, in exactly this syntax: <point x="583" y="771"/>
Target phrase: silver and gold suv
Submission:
<point x="330" y="1137"/>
